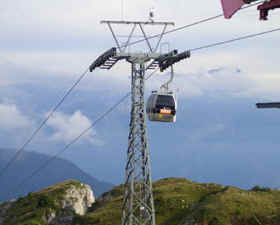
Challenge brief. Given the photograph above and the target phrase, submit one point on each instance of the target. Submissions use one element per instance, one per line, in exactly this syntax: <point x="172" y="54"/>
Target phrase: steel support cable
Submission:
<point x="235" y="39"/>
<point x="70" y="90"/>
<point x="128" y="94"/>
<point x="82" y="76"/>
<point x="18" y="152"/>
<point x="74" y="140"/>
<point x="148" y="77"/>
<point x="189" y="25"/>
<point x="35" y="172"/>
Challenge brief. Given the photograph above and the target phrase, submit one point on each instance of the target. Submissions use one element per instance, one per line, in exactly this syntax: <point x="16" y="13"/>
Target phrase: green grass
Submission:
<point x="173" y="197"/>
<point x="233" y="204"/>
<point x="177" y="200"/>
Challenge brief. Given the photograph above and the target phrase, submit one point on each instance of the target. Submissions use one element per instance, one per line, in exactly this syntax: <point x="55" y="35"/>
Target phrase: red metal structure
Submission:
<point x="267" y="6"/>
<point x="232" y="6"/>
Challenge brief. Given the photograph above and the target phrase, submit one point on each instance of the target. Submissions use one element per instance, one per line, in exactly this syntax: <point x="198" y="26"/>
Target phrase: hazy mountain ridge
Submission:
<point x="57" y="171"/>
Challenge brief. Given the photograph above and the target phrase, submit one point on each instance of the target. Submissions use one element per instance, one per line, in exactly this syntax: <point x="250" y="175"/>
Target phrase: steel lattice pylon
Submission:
<point x="138" y="204"/>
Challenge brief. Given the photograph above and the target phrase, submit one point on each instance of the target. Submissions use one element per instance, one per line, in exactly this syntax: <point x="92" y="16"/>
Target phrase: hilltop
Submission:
<point x="178" y="201"/>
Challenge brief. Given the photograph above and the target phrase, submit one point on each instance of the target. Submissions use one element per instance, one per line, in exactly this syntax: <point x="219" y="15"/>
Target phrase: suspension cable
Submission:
<point x="235" y="39"/>
<point x="106" y="113"/>
<point x="126" y="96"/>
<point x="190" y="25"/>
<point x="12" y="160"/>
<point x="122" y="99"/>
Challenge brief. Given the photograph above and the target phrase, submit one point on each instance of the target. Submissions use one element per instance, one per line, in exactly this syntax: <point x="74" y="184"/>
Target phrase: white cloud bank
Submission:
<point x="12" y="118"/>
<point x="60" y="37"/>
<point x="68" y="127"/>
<point x="218" y="81"/>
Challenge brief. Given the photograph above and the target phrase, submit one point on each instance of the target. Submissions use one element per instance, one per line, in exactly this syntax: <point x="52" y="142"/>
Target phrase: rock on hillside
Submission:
<point x="56" y="205"/>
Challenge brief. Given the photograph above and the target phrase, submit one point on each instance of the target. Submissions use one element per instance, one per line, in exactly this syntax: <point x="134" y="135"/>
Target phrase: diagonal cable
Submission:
<point x="82" y="76"/>
<point x="13" y="159"/>
<point x="190" y="25"/>
<point x="35" y="172"/>
<point x="127" y="95"/>
<point x="111" y="109"/>
<point x="235" y="39"/>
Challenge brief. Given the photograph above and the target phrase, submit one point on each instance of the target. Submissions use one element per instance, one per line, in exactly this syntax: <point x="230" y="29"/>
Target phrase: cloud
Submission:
<point x="12" y="118"/>
<point x="201" y="134"/>
<point x="68" y="127"/>
<point x="220" y="81"/>
<point x="61" y="37"/>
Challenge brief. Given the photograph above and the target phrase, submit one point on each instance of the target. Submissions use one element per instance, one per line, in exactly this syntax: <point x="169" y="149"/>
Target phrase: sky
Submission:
<point x="219" y="135"/>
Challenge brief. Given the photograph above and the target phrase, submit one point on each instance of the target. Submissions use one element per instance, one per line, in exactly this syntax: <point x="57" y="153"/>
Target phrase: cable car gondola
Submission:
<point x="162" y="104"/>
<point x="162" y="107"/>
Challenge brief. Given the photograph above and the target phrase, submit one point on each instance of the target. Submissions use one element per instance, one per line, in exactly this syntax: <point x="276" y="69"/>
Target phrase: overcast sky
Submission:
<point x="64" y="37"/>
<point x="46" y="45"/>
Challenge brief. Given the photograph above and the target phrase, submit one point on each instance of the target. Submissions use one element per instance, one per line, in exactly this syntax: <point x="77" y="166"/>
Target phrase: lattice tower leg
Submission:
<point x="138" y="204"/>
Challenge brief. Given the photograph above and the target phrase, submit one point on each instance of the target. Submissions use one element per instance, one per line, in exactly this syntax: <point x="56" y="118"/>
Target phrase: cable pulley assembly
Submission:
<point x="106" y="60"/>
<point x="169" y="60"/>
<point x="268" y="105"/>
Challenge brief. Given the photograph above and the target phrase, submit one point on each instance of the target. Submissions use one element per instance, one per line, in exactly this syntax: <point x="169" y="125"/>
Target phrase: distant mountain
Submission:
<point x="57" y="171"/>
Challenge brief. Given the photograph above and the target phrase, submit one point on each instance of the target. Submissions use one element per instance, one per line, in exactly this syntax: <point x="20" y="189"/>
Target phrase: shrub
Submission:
<point x="257" y="188"/>
<point x="44" y="201"/>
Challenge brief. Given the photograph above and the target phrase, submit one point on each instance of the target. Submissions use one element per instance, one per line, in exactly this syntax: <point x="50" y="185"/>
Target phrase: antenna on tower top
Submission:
<point x="122" y="9"/>
<point x="152" y="14"/>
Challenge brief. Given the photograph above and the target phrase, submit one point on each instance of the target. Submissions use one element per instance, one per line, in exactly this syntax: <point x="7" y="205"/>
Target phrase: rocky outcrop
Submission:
<point x="78" y="199"/>
<point x="4" y="209"/>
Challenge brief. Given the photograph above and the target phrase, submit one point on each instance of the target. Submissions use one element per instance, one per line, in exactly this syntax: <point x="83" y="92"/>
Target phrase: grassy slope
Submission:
<point x="235" y="206"/>
<point x="177" y="200"/>
<point x="173" y="198"/>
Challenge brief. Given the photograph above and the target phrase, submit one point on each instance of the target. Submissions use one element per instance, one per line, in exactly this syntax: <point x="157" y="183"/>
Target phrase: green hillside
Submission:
<point x="178" y="201"/>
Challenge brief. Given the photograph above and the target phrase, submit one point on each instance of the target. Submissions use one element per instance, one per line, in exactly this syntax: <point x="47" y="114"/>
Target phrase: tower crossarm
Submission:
<point x="156" y="62"/>
<point x="134" y="24"/>
<point x="169" y="60"/>
<point x="107" y="60"/>
<point x="268" y="105"/>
